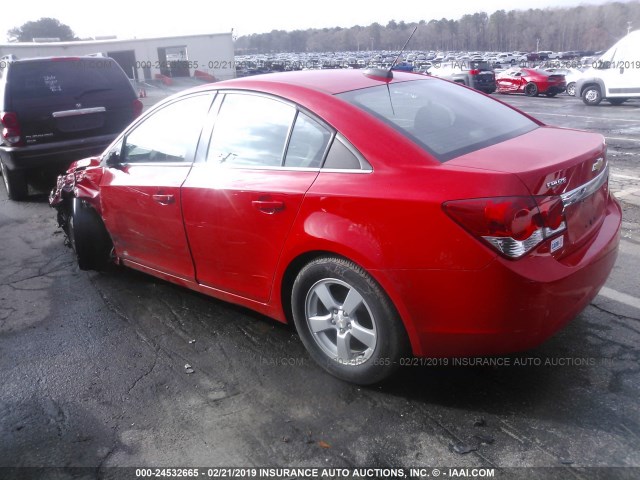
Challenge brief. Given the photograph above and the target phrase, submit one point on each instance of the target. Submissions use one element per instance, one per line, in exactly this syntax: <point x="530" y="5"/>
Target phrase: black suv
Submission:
<point x="58" y="109"/>
<point x="474" y="73"/>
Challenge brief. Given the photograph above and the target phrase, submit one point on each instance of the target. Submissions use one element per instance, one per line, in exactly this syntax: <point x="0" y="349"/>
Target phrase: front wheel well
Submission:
<point x="591" y="83"/>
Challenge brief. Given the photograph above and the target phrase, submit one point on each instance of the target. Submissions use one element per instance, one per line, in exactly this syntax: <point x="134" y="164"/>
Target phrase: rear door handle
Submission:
<point x="268" y="206"/>
<point x="164" y="199"/>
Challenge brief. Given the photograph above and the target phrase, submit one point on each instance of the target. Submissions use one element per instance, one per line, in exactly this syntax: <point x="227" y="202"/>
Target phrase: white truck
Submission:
<point x="615" y="76"/>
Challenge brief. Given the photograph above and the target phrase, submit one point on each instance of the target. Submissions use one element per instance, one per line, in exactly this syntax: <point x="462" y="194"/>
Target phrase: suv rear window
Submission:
<point x="444" y="119"/>
<point x="479" y="65"/>
<point x="64" y="77"/>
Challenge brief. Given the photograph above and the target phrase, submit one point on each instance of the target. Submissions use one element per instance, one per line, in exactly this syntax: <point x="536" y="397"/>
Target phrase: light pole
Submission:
<point x="537" y="45"/>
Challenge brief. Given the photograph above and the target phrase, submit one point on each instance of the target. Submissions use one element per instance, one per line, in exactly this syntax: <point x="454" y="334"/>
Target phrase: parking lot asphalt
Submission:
<point x="93" y="369"/>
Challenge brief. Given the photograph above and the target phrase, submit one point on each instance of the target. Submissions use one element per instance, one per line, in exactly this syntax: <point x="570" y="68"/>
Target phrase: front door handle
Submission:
<point x="164" y="199"/>
<point x="268" y="206"/>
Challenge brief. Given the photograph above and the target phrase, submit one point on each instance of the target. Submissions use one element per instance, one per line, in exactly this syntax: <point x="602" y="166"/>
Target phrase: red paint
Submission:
<point x="546" y="83"/>
<point x="233" y="233"/>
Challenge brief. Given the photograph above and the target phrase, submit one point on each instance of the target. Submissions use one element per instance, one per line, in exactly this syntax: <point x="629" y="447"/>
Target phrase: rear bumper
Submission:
<point x="507" y="307"/>
<point x="555" y="89"/>
<point x="56" y="154"/>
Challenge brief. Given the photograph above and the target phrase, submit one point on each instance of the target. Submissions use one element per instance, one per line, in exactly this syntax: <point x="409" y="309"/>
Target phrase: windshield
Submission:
<point x="445" y="119"/>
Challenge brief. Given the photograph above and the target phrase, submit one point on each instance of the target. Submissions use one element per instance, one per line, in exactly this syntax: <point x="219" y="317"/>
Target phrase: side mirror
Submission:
<point x="113" y="159"/>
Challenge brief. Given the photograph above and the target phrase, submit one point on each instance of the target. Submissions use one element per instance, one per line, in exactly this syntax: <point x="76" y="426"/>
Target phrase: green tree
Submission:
<point x="43" y="28"/>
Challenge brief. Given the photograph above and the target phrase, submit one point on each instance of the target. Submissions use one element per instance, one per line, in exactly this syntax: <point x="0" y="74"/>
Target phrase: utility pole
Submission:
<point x="537" y="45"/>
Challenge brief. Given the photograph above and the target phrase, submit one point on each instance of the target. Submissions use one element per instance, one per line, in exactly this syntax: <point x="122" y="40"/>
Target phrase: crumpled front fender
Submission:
<point x="81" y="180"/>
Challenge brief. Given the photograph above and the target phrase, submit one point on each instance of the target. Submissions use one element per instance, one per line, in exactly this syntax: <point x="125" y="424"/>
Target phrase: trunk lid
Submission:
<point x="555" y="162"/>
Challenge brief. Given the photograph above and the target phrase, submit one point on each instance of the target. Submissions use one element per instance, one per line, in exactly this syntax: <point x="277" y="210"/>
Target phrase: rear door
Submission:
<point x="68" y="98"/>
<point x="240" y="202"/>
<point x="140" y="196"/>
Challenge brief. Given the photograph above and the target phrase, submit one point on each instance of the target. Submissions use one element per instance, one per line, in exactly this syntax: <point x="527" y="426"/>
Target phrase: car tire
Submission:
<point x="347" y="322"/>
<point x="571" y="89"/>
<point x="88" y="236"/>
<point x="531" y="89"/>
<point x="15" y="182"/>
<point x="616" y="101"/>
<point x="591" y="95"/>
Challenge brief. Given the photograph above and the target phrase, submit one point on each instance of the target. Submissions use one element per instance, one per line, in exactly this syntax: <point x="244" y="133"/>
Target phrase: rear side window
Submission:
<point x="444" y="119"/>
<point x="65" y="77"/>
<point x="343" y="156"/>
<point x="308" y="143"/>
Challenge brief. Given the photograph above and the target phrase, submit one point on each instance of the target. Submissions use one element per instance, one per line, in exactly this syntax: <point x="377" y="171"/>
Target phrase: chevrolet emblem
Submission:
<point x="597" y="165"/>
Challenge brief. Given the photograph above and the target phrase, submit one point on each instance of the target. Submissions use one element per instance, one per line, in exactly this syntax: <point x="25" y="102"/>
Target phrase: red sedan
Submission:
<point x="531" y="82"/>
<point x="383" y="215"/>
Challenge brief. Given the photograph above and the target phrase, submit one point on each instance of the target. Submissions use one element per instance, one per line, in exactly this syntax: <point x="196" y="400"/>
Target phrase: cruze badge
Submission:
<point x="78" y="105"/>
<point x="597" y="165"/>
<point x="557" y="182"/>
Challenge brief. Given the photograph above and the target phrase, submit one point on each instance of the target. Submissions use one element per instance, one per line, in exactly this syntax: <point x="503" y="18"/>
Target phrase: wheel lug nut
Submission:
<point x="348" y="325"/>
<point x="342" y="330"/>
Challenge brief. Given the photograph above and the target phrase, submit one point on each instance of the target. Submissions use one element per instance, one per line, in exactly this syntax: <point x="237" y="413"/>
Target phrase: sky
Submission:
<point x="144" y="19"/>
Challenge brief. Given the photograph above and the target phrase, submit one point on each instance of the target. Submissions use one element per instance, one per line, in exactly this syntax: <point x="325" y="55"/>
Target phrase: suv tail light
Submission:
<point x="511" y="225"/>
<point x="10" y="128"/>
<point x="474" y="71"/>
<point x="137" y="108"/>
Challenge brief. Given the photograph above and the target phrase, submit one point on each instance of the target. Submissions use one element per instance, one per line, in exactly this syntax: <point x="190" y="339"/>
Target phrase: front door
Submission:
<point x="140" y="191"/>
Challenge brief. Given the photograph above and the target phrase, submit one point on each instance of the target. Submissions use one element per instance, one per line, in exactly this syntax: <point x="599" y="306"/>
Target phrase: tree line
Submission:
<point x="586" y="27"/>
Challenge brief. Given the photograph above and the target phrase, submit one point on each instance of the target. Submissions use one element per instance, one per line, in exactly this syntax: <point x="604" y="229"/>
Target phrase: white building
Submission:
<point x="148" y="58"/>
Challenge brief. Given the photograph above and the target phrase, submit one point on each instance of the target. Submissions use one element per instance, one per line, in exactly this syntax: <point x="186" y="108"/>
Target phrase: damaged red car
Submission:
<point x="531" y="82"/>
<point x="385" y="214"/>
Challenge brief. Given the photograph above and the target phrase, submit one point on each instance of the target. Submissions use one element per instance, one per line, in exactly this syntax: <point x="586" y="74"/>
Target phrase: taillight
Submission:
<point x="10" y="128"/>
<point x="137" y="108"/>
<point x="474" y="71"/>
<point x="512" y="225"/>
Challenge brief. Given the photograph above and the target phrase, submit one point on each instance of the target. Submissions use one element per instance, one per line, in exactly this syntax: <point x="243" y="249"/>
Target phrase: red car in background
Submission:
<point x="531" y="82"/>
<point x="383" y="213"/>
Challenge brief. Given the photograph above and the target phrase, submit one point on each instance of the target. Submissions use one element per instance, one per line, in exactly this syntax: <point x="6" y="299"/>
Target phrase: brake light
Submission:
<point x="475" y="71"/>
<point x="137" y="108"/>
<point x="511" y="225"/>
<point x="11" y="132"/>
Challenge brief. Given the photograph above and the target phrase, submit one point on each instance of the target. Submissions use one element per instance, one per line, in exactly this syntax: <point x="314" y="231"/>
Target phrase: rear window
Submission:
<point x="65" y="77"/>
<point x="478" y="65"/>
<point x="445" y="119"/>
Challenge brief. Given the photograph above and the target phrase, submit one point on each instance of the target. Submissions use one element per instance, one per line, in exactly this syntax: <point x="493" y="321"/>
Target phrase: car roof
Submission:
<point x="324" y="81"/>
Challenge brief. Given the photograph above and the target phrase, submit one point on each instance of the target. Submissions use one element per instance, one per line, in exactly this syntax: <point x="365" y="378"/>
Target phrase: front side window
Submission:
<point x="169" y="134"/>
<point x="250" y="131"/>
<point x="444" y="119"/>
